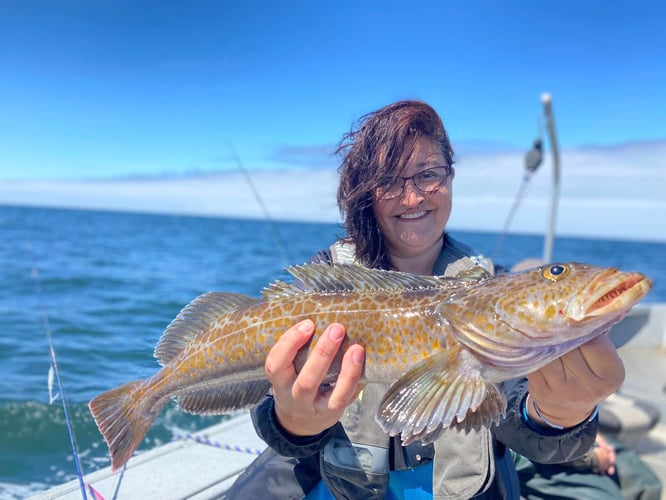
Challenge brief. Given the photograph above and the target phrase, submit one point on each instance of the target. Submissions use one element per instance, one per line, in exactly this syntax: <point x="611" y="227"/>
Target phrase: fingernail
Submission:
<point x="305" y="326"/>
<point x="357" y="357"/>
<point x="335" y="333"/>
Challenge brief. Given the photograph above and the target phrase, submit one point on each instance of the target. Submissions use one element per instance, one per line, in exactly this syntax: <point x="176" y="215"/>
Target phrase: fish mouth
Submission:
<point x="610" y="292"/>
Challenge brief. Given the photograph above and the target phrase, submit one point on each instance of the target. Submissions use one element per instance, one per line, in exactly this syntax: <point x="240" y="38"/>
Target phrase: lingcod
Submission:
<point x="442" y="345"/>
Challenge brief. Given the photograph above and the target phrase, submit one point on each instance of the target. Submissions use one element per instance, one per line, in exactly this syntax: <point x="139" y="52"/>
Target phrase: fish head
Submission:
<point x="519" y="321"/>
<point x="567" y="297"/>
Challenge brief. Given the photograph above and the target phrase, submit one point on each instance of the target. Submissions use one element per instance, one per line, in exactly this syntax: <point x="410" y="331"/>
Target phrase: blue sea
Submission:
<point x="104" y="285"/>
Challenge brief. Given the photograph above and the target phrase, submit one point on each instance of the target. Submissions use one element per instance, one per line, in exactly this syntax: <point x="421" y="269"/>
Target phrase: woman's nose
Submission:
<point x="411" y="195"/>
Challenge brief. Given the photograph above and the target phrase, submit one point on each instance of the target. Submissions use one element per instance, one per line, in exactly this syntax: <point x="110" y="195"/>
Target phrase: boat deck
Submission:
<point x="646" y="381"/>
<point x="184" y="468"/>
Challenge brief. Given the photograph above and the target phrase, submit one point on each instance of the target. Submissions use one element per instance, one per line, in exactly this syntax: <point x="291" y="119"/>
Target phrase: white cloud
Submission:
<point x="286" y="194"/>
<point x="611" y="192"/>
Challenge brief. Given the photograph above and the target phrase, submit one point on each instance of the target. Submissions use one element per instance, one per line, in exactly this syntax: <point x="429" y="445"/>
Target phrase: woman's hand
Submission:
<point x="302" y="406"/>
<point x="567" y="390"/>
<point x="605" y="453"/>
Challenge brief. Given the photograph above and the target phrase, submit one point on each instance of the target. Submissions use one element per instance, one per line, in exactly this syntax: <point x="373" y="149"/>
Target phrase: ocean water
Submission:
<point x="104" y="285"/>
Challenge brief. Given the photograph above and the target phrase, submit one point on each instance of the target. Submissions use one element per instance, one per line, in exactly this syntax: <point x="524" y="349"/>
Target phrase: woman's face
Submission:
<point x="414" y="222"/>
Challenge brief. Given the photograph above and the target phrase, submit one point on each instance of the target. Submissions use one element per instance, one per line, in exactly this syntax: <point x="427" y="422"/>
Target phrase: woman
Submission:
<point x="395" y="196"/>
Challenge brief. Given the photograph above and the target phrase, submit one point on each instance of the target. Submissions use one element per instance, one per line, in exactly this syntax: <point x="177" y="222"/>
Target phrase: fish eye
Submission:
<point x="555" y="272"/>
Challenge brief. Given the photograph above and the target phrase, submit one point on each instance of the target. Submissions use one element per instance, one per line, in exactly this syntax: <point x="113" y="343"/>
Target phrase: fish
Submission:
<point x="442" y="345"/>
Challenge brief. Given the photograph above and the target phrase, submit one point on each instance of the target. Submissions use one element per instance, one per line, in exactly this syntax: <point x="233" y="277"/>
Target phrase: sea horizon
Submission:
<point x="318" y="219"/>
<point x="602" y="192"/>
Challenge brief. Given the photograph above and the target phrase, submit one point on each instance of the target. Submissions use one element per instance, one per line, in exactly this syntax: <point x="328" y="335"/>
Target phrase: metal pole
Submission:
<point x="555" y="188"/>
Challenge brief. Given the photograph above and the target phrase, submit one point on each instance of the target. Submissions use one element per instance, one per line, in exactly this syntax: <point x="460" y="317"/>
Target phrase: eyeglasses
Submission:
<point x="428" y="181"/>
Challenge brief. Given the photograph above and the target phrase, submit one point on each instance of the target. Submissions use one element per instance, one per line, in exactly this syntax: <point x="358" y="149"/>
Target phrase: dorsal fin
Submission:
<point x="474" y="273"/>
<point x="346" y="278"/>
<point x="196" y="317"/>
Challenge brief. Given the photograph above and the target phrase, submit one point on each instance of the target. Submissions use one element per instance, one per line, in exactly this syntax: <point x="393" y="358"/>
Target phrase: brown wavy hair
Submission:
<point x="372" y="151"/>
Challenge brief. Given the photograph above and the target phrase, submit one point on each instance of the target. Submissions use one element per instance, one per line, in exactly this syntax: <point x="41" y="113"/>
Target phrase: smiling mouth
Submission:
<point x="413" y="216"/>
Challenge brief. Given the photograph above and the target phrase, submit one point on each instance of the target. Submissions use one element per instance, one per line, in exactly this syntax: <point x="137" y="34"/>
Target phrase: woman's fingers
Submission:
<point x="302" y="405"/>
<point x="567" y="389"/>
<point x="314" y="371"/>
<point x="279" y="364"/>
<point x="347" y="386"/>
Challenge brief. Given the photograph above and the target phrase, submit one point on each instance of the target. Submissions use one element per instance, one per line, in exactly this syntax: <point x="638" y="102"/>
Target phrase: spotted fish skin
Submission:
<point x="443" y="343"/>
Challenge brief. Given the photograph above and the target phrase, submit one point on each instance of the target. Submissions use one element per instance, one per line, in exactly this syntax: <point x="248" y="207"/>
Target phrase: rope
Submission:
<point x="514" y="208"/>
<point x="533" y="160"/>
<point x="202" y="439"/>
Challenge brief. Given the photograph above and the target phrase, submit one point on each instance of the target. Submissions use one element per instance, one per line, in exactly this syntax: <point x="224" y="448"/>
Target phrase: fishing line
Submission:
<point x="118" y="482"/>
<point x="54" y="375"/>
<point x="512" y="212"/>
<point x="286" y="255"/>
<point x="533" y="159"/>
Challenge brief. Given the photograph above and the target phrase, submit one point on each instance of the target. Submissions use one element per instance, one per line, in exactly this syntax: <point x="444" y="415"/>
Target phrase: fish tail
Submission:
<point x="123" y="417"/>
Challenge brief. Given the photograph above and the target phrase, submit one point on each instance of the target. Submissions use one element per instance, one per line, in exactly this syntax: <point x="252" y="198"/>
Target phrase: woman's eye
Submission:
<point x="428" y="175"/>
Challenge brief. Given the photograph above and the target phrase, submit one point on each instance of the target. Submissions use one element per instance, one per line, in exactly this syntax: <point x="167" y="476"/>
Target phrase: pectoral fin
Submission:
<point x="441" y="391"/>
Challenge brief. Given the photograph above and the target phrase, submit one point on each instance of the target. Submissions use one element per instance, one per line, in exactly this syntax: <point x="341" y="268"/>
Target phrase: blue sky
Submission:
<point x="141" y="106"/>
<point x="106" y="89"/>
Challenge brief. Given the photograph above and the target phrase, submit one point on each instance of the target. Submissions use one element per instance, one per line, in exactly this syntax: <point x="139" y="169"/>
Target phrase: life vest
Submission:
<point x="362" y="456"/>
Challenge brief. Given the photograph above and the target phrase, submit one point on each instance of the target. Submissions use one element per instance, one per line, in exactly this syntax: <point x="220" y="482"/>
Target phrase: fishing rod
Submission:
<point x="54" y="376"/>
<point x="549" y="238"/>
